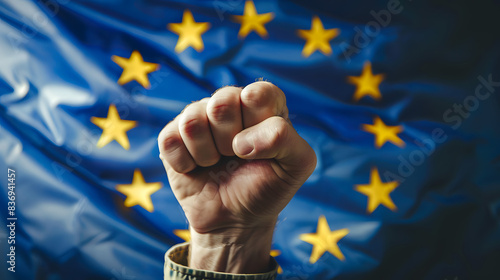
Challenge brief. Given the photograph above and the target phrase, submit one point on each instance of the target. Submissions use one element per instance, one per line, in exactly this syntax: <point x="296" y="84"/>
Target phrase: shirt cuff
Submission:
<point x="176" y="268"/>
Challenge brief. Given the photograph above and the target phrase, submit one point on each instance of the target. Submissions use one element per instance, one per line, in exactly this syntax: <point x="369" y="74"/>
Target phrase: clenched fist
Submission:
<point x="234" y="161"/>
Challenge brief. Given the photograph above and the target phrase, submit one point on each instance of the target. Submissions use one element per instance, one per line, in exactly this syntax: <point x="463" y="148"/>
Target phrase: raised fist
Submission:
<point x="234" y="161"/>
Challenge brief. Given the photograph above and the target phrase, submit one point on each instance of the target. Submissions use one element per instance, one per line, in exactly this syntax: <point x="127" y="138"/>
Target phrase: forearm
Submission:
<point x="232" y="251"/>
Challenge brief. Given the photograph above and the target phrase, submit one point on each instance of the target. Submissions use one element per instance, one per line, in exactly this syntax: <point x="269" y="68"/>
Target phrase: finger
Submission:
<point x="173" y="152"/>
<point x="195" y="132"/>
<point x="224" y="116"/>
<point x="275" y="138"/>
<point x="261" y="100"/>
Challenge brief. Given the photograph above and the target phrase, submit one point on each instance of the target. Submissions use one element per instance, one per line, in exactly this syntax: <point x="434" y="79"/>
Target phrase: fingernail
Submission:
<point x="244" y="145"/>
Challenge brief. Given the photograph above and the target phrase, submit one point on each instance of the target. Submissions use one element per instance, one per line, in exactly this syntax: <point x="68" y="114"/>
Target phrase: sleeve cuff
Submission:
<point x="176" y="268"/>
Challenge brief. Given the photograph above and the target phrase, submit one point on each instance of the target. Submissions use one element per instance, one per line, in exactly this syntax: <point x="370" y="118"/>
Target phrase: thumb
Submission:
<point x="275" y="138"/>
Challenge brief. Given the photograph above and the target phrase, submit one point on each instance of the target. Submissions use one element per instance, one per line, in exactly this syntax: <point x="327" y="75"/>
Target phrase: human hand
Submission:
<point x="234" y="161"/>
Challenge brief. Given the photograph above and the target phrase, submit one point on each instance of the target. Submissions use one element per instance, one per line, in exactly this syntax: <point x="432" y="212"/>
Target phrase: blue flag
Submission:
<point x="399" y="100"/>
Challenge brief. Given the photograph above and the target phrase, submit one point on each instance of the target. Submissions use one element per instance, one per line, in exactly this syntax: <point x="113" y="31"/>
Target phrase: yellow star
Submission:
<point x="113" y="128"/>
<point x="139" y="192"/>
<point x="317" y="38"/>
<point x="384" y="133"/>
<point x="367" y="83"/>
<point x="189" y="32"/>
<point x="251" y="21"/>
<point x="324" y="240"/>
<point x="378" y="192"/>
<point x="184" y="234"/>
<point x="135" y="68"/>
<point x="275" y="253"/>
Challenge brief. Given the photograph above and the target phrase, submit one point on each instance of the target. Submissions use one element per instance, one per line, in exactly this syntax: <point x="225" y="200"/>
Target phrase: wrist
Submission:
<point x="234" y="250"/>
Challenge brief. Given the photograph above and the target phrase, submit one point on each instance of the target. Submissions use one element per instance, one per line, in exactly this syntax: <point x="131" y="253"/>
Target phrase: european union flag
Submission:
<point x="398" y="98"/>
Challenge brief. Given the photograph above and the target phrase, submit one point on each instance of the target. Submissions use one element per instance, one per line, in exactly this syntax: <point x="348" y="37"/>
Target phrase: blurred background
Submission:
<point x="399" y="99"/>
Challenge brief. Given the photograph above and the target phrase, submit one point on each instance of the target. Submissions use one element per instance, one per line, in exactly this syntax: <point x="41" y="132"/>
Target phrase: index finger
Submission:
<point x="260" y="101"/>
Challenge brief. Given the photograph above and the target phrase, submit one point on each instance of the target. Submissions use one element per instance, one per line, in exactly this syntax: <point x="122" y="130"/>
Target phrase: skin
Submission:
<point x="234" y="161"/>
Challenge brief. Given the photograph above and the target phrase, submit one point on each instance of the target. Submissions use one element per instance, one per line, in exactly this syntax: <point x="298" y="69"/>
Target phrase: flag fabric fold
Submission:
<point x="399" y="100"/>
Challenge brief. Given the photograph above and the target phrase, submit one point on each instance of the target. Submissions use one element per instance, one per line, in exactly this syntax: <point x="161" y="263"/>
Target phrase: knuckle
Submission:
<point x="191" y="126"/>
<point x="171" y="149"/>
<point x="258" y="94"/>
<point x="225" y="90"/>
<point x="169" y="141"/>
<point x="166" y="135"/>
<point x="220" y="110"/>
<point x="192" y="122"/>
